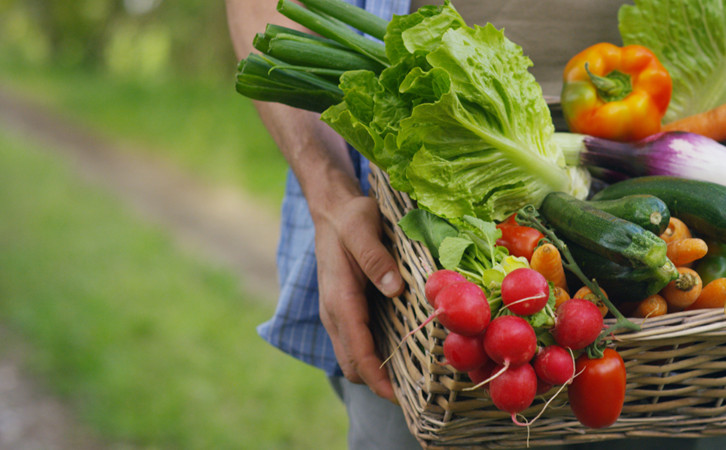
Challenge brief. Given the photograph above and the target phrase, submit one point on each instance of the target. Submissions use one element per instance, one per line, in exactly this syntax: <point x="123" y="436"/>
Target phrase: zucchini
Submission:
<point x="603" y="233"/>
<point x="648" y="211"/>
<point x="622" y="283"/>
<point x="699" y="204"/>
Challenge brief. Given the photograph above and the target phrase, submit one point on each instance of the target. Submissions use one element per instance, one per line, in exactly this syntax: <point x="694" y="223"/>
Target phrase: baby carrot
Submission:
<point x="685" y="251"/>
<point x="683" y="291"/>
<point x="546" y="259"/>
<point x="713" y="295"/>
<point x="654" y="305"/>
<point x="561" y="296"/>
<point x="676" y="230"/>
<point x="585" y="293"/>
<point x="711" y="123"/>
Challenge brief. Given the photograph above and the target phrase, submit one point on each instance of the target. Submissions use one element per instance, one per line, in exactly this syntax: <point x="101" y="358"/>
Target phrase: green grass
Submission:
<point x="204" y="126"/>
<point x="150" y="346"/>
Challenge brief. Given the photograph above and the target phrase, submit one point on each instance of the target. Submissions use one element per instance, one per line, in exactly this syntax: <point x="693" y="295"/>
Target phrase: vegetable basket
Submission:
<point x="676" y="368"/>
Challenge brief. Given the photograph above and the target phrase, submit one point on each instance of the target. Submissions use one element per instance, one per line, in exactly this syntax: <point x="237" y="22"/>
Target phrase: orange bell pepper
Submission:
<point x="617" y="93"/>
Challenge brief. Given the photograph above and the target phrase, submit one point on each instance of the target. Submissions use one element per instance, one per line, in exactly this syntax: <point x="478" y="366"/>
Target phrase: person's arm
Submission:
<point x="347" y="223"/>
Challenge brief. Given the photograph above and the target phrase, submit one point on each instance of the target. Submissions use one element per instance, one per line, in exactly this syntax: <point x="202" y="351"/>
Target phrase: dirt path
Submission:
<point x="222" y="225"/>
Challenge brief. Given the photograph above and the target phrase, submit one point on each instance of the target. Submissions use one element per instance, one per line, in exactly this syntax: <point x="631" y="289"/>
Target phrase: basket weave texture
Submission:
<point x="676" y="368"/>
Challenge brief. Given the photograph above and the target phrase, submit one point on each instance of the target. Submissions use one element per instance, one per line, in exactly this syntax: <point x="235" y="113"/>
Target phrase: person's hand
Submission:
<point x="350" y="254"/>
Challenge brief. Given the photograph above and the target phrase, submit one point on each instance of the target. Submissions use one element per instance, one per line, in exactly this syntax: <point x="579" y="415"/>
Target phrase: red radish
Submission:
<point x="578" y="323"/>
<point x="464" y="353"/>
<point x="439" y="280"/>
<point x="514" y="390"/>
<point x="554" y="365"/>
<point x="510" y="340"/>
<point x="542" y="386"/>
<point x="525" y="291"/>
<point x="482" y="372"/>
<point x="461" y="308"/>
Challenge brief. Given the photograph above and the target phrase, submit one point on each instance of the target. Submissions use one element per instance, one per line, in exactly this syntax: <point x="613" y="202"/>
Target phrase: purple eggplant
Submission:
<point x="674" y="153"/>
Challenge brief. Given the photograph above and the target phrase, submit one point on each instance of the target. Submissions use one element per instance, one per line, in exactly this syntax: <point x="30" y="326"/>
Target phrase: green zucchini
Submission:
<point x="700" y="204"/>
<point x="603" y="233"/>
<point x="648" y="211"/>
<point x="622" y="283"/>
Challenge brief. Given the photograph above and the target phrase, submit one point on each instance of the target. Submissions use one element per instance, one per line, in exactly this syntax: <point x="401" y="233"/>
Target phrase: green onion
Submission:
<point x="303" y="51"/>
<point x="268" y="79"/>
<point x="333" y="30"/>
<point x="351" y="15"/>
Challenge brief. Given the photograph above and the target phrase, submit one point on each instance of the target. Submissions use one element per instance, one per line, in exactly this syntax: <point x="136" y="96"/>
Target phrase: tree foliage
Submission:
<point x="183" y="35"/>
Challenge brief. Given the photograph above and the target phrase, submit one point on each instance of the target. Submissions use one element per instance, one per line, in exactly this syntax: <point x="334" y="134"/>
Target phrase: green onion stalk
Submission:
<point x="302" y="69"/>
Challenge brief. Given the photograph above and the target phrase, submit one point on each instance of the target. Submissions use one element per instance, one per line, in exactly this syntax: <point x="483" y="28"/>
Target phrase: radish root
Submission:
<point x="504" y="368"/>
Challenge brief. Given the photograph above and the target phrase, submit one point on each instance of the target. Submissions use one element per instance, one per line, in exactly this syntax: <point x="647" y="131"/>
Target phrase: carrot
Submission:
<point x="713" y="295"/>
<point x="652" y="306"/>
<point x="676" y="230"/>
<point x="685" y="251"/>
<point x="585" y="293"/>
<point x="683" y="291"/>
<point x="711" y="123"/>
<point x="546" y="259"/>
<point x="561" y="296"/>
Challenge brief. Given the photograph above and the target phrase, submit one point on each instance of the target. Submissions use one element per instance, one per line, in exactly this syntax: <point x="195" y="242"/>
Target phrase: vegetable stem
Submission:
<point x="268" y="79"/>
<point x="358" y="18"/>
<point x="302" y="51"/>
<point x="613" y="87"/>
<point x="332" y="30"/>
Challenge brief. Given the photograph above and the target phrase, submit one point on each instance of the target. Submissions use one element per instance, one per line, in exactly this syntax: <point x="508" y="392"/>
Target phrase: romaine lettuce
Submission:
<point x="457" y="121"/>
<point x="689" y="38"/>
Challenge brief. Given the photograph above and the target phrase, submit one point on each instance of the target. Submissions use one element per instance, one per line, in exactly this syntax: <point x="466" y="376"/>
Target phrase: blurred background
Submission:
<point x="139" y="199"/>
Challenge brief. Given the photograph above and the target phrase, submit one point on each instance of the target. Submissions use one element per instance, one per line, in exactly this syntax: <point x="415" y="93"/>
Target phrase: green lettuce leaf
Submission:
<point x="430" y="230"/>
<point x="689" y="38"/>
<point x="457" y="121"/>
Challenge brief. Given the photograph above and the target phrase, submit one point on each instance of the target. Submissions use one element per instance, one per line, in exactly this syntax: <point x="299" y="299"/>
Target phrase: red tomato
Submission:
<point x="518" y="239"/>
<point x="597" y="393"/>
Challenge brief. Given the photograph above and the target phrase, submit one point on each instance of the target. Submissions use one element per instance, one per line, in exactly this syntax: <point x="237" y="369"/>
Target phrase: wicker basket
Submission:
<point x="676" y="369"/>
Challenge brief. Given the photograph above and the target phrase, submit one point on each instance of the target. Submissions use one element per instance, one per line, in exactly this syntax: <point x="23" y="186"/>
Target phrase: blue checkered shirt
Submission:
<point x="295" y="328"/>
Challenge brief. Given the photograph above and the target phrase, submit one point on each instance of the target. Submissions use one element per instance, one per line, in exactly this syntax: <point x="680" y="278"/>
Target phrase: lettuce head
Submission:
<point x="457" y="120"/>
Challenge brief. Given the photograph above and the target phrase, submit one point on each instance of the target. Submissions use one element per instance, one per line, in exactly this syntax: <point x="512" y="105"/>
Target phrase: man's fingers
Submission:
<point x="359" y="347"/>
<point x="370" y="254"/>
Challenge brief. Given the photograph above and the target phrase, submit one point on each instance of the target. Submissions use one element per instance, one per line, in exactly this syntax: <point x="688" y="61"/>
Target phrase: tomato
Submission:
<point x="597" y="393"/>
<point x="518" y="239"/>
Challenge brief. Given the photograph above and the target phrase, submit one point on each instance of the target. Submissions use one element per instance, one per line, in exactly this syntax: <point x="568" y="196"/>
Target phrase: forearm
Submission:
<point x="317" y="155"/>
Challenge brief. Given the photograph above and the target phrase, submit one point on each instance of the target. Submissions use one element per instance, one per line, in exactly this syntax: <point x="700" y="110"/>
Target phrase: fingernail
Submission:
<point x="390" y="283"/>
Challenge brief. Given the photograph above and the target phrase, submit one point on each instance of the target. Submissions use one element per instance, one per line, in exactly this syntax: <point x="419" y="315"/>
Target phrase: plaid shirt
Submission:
<point x="295" y="327"/>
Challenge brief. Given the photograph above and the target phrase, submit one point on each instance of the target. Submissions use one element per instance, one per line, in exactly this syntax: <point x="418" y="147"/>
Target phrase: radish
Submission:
<point x="461" y="308"/>
<point x="464" y="353"/>
<point x="554" y="365"/>
<point x="510" y="341"/>
<point x="514" y="390"/>
<point x="578" y="323"/>
<point x="542" y="386"/>
<point x="525" y="291"/>
<point x="439" y="280"/>
<point x="482" y="373"/>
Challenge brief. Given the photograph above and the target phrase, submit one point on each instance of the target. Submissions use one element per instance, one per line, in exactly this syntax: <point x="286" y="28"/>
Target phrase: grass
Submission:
<point x="204" y="126"/>
<point x="151" y="347"/>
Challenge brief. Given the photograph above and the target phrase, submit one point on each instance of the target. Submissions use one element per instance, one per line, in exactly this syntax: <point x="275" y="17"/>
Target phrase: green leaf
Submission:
<point x="689" y="39"/>
<point x="452" y="251"/>
<point x="422" y="226"/>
